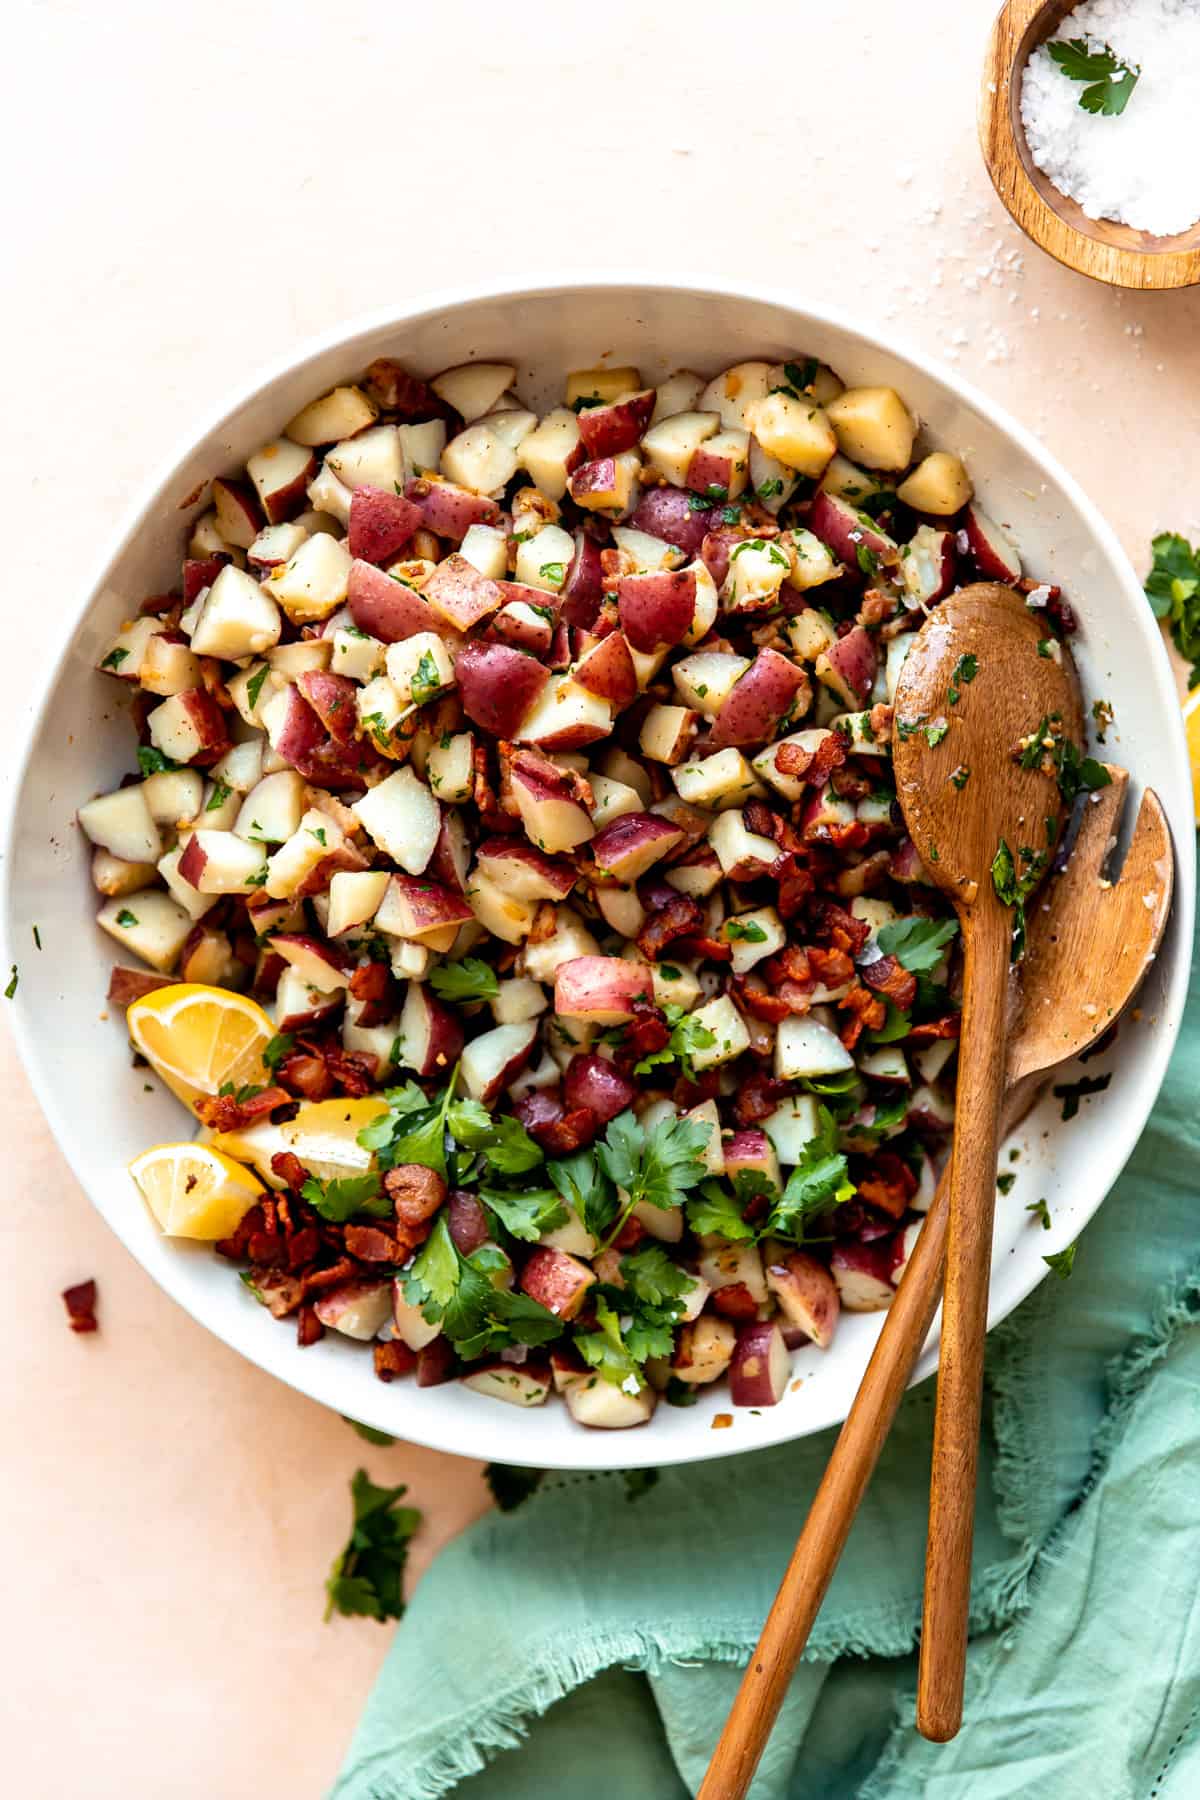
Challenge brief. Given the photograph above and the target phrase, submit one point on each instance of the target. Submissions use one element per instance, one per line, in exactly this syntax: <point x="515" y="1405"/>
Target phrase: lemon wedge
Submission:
<point x="1191" y="720"/>
<point x="197" y="1038"/>
<point x="194" y="1190"/>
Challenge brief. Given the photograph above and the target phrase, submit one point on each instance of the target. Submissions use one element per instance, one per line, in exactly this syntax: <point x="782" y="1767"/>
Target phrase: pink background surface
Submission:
<point x="196" y="195"/>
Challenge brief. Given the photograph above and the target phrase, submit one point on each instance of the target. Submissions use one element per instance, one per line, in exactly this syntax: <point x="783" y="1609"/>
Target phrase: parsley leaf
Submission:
<point x="475" y="1316"/>
<point x="607" y="1352"/>
<point x="255" y="684"/>
<point x="511" y="1487"/>
<point x="470" y="979"/>
<point x="114" y="659"/>
<point x="819" y="1180"/>
<point x="413" y="1130"/>
<point x="369" y="1433"/>
<point x="714" y="1210"/>
<point x="553" y="571"/>
<point x="525" y="1214"/>
<point x="153" y="762"/>
<point x="11" y="989"/>
<point x="340" y="1199"/>
<point x="1041" y="1213"/>
<point x="1072" y="1092"/>
<point x="367" y="1579"/>
<point x="1111" y="79"/>
<point x="219" y="795"/>
<point x="584" y="1185"/>
<point x="745" y="931"/>
<point x="281" y="1045"/>
<point x="687" y="1036"/>
<point x="650" y="1275"/>
<point x="1062" y="1261"/>
<point x="917" y="944"/>
<point x="426" y="682"/>
<point x="656" y="1167"/>
<point x="503" y="1142"/>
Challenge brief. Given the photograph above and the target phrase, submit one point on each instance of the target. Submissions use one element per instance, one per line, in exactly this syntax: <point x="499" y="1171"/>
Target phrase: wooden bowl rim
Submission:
<point x="1168" y="262"/>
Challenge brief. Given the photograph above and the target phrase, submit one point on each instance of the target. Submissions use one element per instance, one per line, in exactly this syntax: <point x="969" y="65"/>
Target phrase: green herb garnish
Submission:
<point x="367" y="1579"/>
<point x="1110" y="79"/>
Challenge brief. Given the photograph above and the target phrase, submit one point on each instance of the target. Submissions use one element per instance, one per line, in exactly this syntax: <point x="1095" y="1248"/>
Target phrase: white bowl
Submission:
<point x="80" y="743"/>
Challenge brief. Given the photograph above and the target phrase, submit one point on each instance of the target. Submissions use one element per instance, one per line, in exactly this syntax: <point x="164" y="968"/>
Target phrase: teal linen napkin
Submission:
<point x="596" y="1640"/>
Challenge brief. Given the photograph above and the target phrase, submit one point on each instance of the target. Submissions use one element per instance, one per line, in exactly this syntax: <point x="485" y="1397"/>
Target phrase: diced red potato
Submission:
<point x="734" y="392"/>
<point x="553" y="451"/>
<point x="622" y="909"/>
<point x="751" y="1151"/>
<point x="720" y="466"/>
<point x="939" y="484"/>
<point x="793" y="431"/>
<point x="189" y="728"/>
<point x="725" y="1265"/>
<point x="632" y="844"/>
<point x="473" y="388"/>
<point x="873" y="426"/>
<point x="498" y="685"/>
<point x="603" y="1406"/>
<point x="436" y="1363"/>
<point x="703" y="1350"/>
<point x="667" y="513"/>
<point x="928" y="566"/>
<point x="114" y="877"/>
<point x="606" y="668"/>
<point x="848" y="667"/>
<point x="298" y="1007"/>
<point x="806" y="1294"/>
<point x="657" y="608"/>
<point x="564" y="715"/>
<point x="459" y="594"/>
<point x="281" y="472"/>
<point x="847" y="531"/>
<point x="994" y="553"/>
<point x="602" y="383"/>
<point x="758" y="702"/>
<point x="519" y="625"/>
<point x="598" y="1084"/>
<point x="430" y="1039"/>
<point x="169" y="666"/>
<point x="583" y="587"/>
<point x="904" y="1245"/>
<point x="667" y="733"/>
<point x="321" y="965"/>
<point x="554" y="819"/>
<point x="419" y="909"/>
<point x="609" y="484"/>
<point x="150" y="924"/>
<point x="122" y="824"/>
<point x="863" y="1274"/>
<point x="761" y="1366"/>
<point x="237" y="618"/>
<point x="556" y="1280"/>
<point x="358" y="1309"/>
<point x="527" y="1386"/>
<point x="338" y="414"/>
<point x="220" y="862"/>
<point x="382" y="524"/>
<point x="602" y="990"/>
<point x="467" y="1221"/>
<point x="806" y="1049"/>
<point x="523" y="871"/>
<point x="607" y="430"/>
<point x="401" y="816"/>
<point x="449" y="510"/>
<point x="490" y="1062"/>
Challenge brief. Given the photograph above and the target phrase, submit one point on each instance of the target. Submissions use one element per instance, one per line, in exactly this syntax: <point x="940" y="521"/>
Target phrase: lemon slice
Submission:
<point x="1191" y="720"/>
<point x="197" y="1038"/>
<point x="324" y="1135"/>
<point x="194" y="1190"/>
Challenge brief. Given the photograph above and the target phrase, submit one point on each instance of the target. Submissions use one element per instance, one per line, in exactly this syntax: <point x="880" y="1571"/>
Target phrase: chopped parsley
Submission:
<point x="114" y="659"/>
<point x="687" y="1036"/>
<point x="153" y="762"/>
<point x="219" y="795"/>
<point x="340" y="1199"/>
<point x="1103" y="715"/>
<point x="37" y="937"/>
<point x="255" y="684"/>
<point x="503" y="1142"/>
<point x="1062" y="1262"/>
<point x="412" y="1130"/>
<point x="1072" y="1092"/>
<point x="907" y="728"/>
<point x="917" y="944"/>
<point x="656" y="1167"/>
<point x="960" y="776"/>
<point x="965" y="670"/>
<point x="553" y="571"/>
<point x="368" y="1433"/>
<point x="1006" y="1182"/>
<point x="281" y="1045"/>
<point x="1041" y="1213"/>
<point x="426" y="682"/>
<point x="867" y="560"/>
<point x="126" y="918"/>
<point x="747" y="931"/>
<point x="13" y="979"/>
<point x="935" y="731"/>
<point x="367" y="1578"/>
<point x="477" y="1317"/>
<point x="802" y="375"/>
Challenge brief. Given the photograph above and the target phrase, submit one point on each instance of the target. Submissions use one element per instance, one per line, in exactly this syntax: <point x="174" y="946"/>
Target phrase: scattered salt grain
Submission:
<point x="1038" y="597"/>
<point x="1138" y="167"/>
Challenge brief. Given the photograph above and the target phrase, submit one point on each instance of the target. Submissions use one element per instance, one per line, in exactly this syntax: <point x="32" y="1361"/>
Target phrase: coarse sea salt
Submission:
<point x="1138" y="167"/>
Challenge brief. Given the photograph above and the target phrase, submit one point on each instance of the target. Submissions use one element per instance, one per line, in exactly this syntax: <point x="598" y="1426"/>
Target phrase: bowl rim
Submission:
<point x="499" y="1440"/>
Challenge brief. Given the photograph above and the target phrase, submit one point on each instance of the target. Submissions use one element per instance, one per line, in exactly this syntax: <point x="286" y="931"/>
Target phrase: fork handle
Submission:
<point x="832" y="1513"/>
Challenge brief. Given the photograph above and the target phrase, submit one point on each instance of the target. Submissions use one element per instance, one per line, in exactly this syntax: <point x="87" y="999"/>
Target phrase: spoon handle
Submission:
<point x="832" y="1513"/>
<point x="987" y="939"/>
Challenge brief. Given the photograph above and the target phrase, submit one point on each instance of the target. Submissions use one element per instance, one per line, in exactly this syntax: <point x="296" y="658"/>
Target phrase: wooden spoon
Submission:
<point x="1067" y="1001"/>
<point x="984" y="818"/>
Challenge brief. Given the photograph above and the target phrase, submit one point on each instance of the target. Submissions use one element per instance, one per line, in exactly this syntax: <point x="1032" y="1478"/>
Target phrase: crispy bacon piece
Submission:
<point x="876" y="607"/>
<point x="754" y="998"/>
<point x="829" y="755"/>
<point x="686" y="1093"/>
<point x="948" y="1026"/>
<point x="679" y="917"/>
<point x="888" y="1183"/>
<point x="353" y="1071"/>
<point x="795" y="887"/>
<point x="647" y="1032"/>
<point x="735" y="1302"/>
<point x="287" y="1165"/>
<point x="703" y="949"/>
<point x="888" y="976"/>
<point x="570" y="1132"/>
<point x="866" y="1014"/>
<point x="545" y="922"/>
<point x="309" y="1329"/>
<point x="830" y="966"/>
<point x="80" y="1302"/>
<point x="848" y="784"/>
<point x="415" y="1191"/>
<point x="832" y="924"/>
<point x="391" y="386"/>
<point x="793" y="759"/>
<point x="371" y="1243"/>
<point x="756" y="1098"/>
<point x="224" y="1112"/>
<point x="757" y="816"/>
<point x="393" y="1360"/>
<point x="305" y="1074"/>
<point x="881" y="716"/>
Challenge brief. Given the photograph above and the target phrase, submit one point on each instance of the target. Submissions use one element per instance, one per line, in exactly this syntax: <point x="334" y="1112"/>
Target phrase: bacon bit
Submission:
<point x="832" y="967"/>
<point x="647" y="1032"/>
<point x="127" y="985"/>
<point x="947" y="1027"/>
<point x="854" y="836"/>
<point x="391" y="386"/>
<point x="223" y="1112"/>
<point x="80" y="1302"/>
<point x="210" y="675"/>
<point x="393" y="1360"/>
<point x="545" y="923"/>
<point x="280" y="1293"/>
<point x="888" y="1183"/>
<point x="829" y="755"/>
<point x="848" y="784"/>
<point x="497" y="812"/>
<point x="757" y="816"/>
<point x="866" y="1014"/>
<point x="865" y="876"/>
<point x="679" y="917"/>
<point x="881" y="717"/>
<point x="795" y="887"/>
<point x="686" y="1093"/>
<point x="416" y="1192"/>
<point x="306" y="1075"/>
<point x="303" y="1247"/>
<point x="372" y="986"/>
<point x="703" y="949"/>
<point x="287" y="1165"/>
<point x="753" y="998"/>
<point x="722" y="1421"/>
<point x="353" y="1071"/>
<point x="570" y="1132"/>
<point x="370" y="1243"/>
<point x="309" y="1329"/>
<point x="735" y="1302"/>
<point x="832" y="923"/>
<point x="888" y="976"/>
<point x="756" y="1098"/>
<point x="793" y="759"/>
<point x="876" y="607"/>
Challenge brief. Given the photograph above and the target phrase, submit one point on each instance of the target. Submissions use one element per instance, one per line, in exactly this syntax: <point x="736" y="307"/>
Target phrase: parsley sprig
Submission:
<point x="367" y="1578"/>
<point x="476" y="1316"/>
<point x="460" y="982"/>
<point x="687" y="1036"/>
<point x="1111" y="80"/>
<point x="654" y="1168"/>
<point x="1173" y="590"/>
